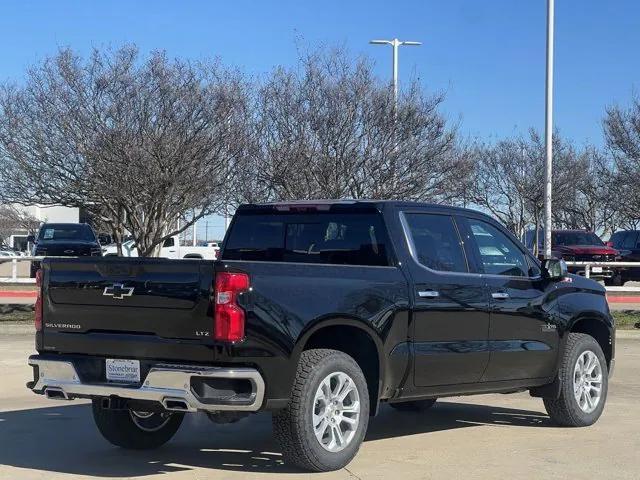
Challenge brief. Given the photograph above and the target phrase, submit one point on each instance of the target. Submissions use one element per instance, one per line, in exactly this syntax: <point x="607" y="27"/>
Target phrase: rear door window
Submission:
<point x="330" y="238"/>
<point x="436" y="242"/>
<point x="630" y="240"/>
<point x="617" y="239"/>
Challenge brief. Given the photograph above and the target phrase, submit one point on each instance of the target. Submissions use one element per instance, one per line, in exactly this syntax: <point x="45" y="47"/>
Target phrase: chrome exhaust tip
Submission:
<point x="55" y="393"/>
<point x="176" y="405"/>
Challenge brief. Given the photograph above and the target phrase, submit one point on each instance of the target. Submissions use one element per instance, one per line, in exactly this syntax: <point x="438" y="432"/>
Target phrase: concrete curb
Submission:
<point x="18" y="294"/>
<point x="635" y="334"/>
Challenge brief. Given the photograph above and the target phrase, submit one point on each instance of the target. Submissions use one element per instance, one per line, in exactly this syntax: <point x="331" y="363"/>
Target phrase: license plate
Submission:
<point x="119" y="370"/>
<point x="596" y="269"/>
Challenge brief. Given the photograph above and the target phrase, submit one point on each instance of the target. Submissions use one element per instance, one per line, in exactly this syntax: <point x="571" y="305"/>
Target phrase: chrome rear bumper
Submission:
<point x="169" y="385"/>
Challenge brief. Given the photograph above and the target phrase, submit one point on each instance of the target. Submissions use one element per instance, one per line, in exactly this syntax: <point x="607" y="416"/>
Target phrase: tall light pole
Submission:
<point x="395" y="43"/>
<point x="548" y="132"/>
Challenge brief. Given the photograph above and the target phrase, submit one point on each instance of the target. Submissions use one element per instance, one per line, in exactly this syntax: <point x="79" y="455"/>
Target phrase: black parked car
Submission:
<point x="627" y="242"/>
<point x="64" y="240"/>
<point x="318" y="312"/>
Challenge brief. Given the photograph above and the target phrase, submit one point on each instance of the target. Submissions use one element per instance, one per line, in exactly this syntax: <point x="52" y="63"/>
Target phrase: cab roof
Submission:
<point x="345" y="204"/>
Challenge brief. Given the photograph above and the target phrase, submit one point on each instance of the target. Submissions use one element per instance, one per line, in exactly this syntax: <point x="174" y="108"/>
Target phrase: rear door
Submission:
<point x="450" y="314"/>
<point x="170" y="249"/>
<point x="523" y="340"/>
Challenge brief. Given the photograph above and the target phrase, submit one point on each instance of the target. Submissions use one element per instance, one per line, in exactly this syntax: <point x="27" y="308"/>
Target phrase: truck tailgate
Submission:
<point x="165" y="299"/>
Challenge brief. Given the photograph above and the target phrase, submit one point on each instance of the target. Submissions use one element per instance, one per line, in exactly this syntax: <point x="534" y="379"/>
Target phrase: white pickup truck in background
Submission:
<point x="170" y="249"/>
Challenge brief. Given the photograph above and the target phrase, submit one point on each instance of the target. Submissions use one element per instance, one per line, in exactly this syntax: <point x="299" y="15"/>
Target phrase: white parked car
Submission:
<point x="170" y="249"/>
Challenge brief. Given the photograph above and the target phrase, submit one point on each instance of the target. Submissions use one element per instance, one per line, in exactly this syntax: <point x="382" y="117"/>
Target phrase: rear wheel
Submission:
<point x="584" y="383"/>
<point x="414" y="405"/>
<point x="137" y="430"/>
<point x="326" y="419"/>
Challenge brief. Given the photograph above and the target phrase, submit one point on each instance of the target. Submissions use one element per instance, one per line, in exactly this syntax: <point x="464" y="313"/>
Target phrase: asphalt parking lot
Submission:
<point x="488" y="436"/>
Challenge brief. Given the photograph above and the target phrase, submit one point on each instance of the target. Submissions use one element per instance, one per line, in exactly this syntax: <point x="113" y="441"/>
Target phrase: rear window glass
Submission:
<point x="332" y="238"/>
<point x="575" y="238"/>
<point x="66" y="232"/>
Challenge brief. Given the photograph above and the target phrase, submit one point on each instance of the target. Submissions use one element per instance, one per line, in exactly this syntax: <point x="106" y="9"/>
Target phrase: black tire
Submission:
<point x="615" y="281"/>
<point x="119" y="427"/>
<point x="414" y="405"/>
<point x="565" y="410"/>
<point x="293" y="426"/>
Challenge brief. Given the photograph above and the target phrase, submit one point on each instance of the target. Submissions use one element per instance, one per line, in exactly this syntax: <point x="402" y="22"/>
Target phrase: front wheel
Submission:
<point x="136" y="430"/>
<point x="326" y="420"/>
<point x="584" y="383"/>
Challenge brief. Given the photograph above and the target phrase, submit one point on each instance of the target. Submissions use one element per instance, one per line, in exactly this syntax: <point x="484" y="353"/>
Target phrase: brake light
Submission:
<point x="303" y="207"/>
<point x="38" y="305"/>
<point x="229" y="317"/>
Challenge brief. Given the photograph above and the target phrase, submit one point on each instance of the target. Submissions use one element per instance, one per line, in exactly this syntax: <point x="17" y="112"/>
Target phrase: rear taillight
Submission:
<point x="38" y="305"/>
<point x="228" y="321"/>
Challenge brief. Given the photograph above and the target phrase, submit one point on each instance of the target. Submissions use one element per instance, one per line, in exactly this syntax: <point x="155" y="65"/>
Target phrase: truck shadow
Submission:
<point x="64" y="439"/>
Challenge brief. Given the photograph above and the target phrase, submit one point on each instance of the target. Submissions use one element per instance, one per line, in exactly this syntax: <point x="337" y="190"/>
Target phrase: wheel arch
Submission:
<point x="355" y="338"/>
<point x="601" y="329"/>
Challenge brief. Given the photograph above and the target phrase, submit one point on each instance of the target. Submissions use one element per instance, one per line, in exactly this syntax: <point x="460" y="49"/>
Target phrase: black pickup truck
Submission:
<point x="318" y="312"/>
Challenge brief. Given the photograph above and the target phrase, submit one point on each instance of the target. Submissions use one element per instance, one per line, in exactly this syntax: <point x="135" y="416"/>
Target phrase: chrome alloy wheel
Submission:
<point x="336" y="411"/>
<point x="149" y="421"/>
<point x="587" y="381"/>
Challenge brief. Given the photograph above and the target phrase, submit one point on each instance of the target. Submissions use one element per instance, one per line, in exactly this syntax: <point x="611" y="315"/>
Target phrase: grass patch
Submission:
<point x="16" y="313"/>
<point x="627" y="319"/>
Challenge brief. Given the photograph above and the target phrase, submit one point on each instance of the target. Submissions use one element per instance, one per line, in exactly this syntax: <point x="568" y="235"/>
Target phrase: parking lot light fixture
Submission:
<point x="395" y="43"/>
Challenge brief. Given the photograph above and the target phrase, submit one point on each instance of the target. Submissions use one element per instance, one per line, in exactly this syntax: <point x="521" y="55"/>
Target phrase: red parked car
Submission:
<point x="581" y="246"/>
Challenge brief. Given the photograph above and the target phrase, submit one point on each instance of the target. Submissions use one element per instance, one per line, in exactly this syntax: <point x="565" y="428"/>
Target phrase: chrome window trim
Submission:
<point x="412" y="252"/>
<point x="412" y="248"/>
<point x="308" y="263"/>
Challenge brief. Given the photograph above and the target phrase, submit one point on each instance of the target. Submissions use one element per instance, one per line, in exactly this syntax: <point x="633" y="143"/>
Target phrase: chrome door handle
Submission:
<point x="428" y="294"/>
<point x="500" y="295"/>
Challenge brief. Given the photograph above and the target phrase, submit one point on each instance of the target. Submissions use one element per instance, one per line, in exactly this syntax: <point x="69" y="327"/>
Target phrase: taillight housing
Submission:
<point x="38" y="305"/>
<point x="229" y="317"/>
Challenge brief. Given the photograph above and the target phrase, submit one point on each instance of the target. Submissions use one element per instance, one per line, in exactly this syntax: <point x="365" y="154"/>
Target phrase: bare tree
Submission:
<point x="502" y="183"/>
<point x="622" y="133"/>
<point x="589" y="201"/>
<point x="329" y="129"/>
<point x="13" y="218"/>
<point x="138" y="143"/>
<point x="509" y="179"/>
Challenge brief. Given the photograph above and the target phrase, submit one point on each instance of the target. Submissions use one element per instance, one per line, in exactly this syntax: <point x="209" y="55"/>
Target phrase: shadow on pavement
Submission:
<point x="64" y="439"/>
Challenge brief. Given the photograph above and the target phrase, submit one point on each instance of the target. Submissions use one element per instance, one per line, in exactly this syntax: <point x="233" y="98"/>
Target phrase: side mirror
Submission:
<point x="555" y="268"/>
<point x="31" y="239"/>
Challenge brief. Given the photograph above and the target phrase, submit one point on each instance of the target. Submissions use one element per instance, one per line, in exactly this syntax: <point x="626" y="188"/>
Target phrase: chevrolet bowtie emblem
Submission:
<point x="118" y="291"/>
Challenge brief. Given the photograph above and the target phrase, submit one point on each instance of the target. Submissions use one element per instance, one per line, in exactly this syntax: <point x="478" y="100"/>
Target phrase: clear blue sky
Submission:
<point x="488" y="56"/>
